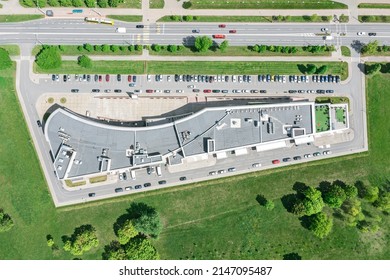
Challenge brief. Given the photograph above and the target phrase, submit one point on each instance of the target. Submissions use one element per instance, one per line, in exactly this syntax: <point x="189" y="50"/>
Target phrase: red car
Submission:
<point x="207" y="90"/>
<point x="232" y="31"/>
<point x="219" y="36"/>
<point x="107" y="78"/>
<point x="276" y="161"/>
<point x="149" y="91"/>
<point x="222" y="25"/>
<point x="129" y="78"/>
<point x="100" y="78"/>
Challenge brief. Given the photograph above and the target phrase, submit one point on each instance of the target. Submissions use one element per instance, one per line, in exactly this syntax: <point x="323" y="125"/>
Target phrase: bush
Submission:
<point x="175" y="17"/>
<point x="28" y="3"/>
<point x="369" y="193"/>
<point x="113" y="3"/>
<point x="334" y="196"/>
<point x="156" y="47"/>
<point x="83" y="239"/>
<point x="97" y="48"/>
<point x="365" y="226"/>
<point x="53" y="3"/>
<point x="85" y="61"/>
<point x="203" y="43"/>
<point x="80" y="48"/>
<point x="88" y="47"/>
<point x="77" y="3"/>
<point x="140" y="248"/>
<point x="102" y="3"/>
<point x="187" y="18"/>
<point x="49" y="58"/>
<point x="180" y="47"/>
<point x="114" y="48"/>
<point x="126" y="232"/>
<point x="40" y="3"/>
<point x="90" y="3"/>
<point x="383" y="201"/>
<point x="187" y="5"/>
<point x="123" y="48"/>
<point x="131" y="48"/>
<point x="322" y="69"/>
<point x="224" y="45"/>
<point x="66" y="3"/>
<point x="269" y="204"/>
<point x="350" y="191"/>
<point x="172" y="48"/>
<point x="61" y="48"/>
<point x="105" y="48"/>
<point x="311" y="69"/>
<point x="138" y="47"/>
<point x="5" y="59"/>
<point x="6" y="223"/>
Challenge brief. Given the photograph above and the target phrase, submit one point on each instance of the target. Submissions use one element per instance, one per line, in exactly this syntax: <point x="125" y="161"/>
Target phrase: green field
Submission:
<point x="132" y="18"/>
<point x="265" y="4"/>
<point x="322" y="118"/>
<point x="18" y="18"/>
<point x="218" y="219"/>
<point x="11" y="49"/>
<point x="374" y="6"/>
<point x="72" y="50"/>
<point x="376" y="18"/>
<point x="249" y="19"/>
<point x="156" y="4"/>
<point x="234" y="51"/>
<point x="345" y="51"/>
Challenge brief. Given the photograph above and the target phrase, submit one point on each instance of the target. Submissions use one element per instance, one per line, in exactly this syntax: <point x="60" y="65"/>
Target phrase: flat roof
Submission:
<point x="228" y="127"/>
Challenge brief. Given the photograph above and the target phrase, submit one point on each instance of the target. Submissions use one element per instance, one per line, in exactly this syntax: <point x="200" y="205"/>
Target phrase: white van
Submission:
<point x="132" y="174"/>
<point x="158" y="171"/>
<point x="121" y="30"/>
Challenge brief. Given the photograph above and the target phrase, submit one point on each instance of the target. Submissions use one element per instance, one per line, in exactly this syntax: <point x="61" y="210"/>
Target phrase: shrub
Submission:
<point x="88" y="47"/>
<point x="175" y="17"/>
<point x="156" y="47"/>
<point x="6" y="223"/>
<point x="77" y="3"/>
<point x="102" y="3"/>
<point x="53" y="3"/>
<point x="322" y="69"/>
<point x="114" y="48"/>
<point x="131" y="48"/>
<point x="269" y="204"/>
<point x="66" y="3"/>
<point x="187" y="5"/>
<point x="85" y="61"/>
<point x="90" y="3"/>
<point x="28" y="3"/>
<point x="113" y="3"/>
<point x="187" y="18"/>
<point x="97" y="48"/>
<point x="105" y="48"/>
<point x="172" y="48"/>
<point x="83" y="239"/>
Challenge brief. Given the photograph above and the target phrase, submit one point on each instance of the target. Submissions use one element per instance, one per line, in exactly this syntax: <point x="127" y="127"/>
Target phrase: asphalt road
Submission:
<point x="78" y="32"/>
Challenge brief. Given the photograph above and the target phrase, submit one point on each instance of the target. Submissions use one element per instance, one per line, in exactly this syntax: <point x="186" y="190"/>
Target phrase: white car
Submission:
<point x="169" y="78"/>
<point x="361" y="33"/>
<point x="256" y="165"/>
<point x="327" y="152"/>
<point x="179" y="91"/>
<point x="191" y="86"/>
<point x="307" y="156"/>
<point x="149" y="78"/>
<point x="157" y="91"/>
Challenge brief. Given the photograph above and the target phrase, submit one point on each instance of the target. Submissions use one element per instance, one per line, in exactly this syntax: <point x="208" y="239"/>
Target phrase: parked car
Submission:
<point x="256" y="165"/>
<point x="138" y="187"/>
<point x="327" y="152"/>
<point x="96" y="90"/>
<point x="92" y="194"/>
<point x="316" y="154"/>
<point x="297" y="158"/>
<point x="128" y="188"/>
<point x="207" y="90"/>
<point x="107" y="90"/>
<point x="307" y="156"/>
<point x="212" y="172"/>
<point x="231" y="169"/>
<point x="117" y="190"/>
<point x="147" y="185"/>
<point x="140" y="26"/>
<point x="74" y="90"/>
<point x="162" y="182"/>
<point x="129" y="78"/>
<point x="233" y="31"/>
<point x="361" y="33"/>
<point x="117" y="90"/>
<point x="134" y="79"/>
<point x="118" y="77"/>
<point x="222" y="25"/>
<point x="183" y="178"/>
<point x="372" y="34"/>
<point x="275" y="161"/>
<point x="287" y="159"/>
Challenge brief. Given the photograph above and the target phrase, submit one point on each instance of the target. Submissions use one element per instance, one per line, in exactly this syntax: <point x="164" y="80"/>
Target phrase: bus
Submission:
<point x="99" y="20"/>
<point x="219" y="36"/>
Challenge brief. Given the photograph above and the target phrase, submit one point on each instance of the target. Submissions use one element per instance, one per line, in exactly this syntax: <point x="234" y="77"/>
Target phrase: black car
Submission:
<point x="39" y="123"/>
<point x="183" y="178"/>
<point x="118" y="77"/>
<point x="140" y="26"/>
<point x="163" y="182"/>
<point x="337" y="79"/>
<point x="134" y="79"/>
<point x="117" y="90"/>
<point x="74" y="90"/>
<point x="88" y="78"/>
<point x="147" y="185"/>
<point x="96" y="90"/>
<point x="96" y="78"/>
<point x="137" y="187"/>
<point x="177" y="78"/>
<point x="287" y="159"/>
<point x="263" y="91"/>
<point x="117" y="190"/>
<point x="292" y="91"/>
<point x="92" y="194"/>
<point x="65" y="78"/>
<point x="53" y="77"/>
<point x="297" y="158"/>
<point x="330" y="91"/>
<point x="216" y="91"/>
<point x="372" y="34"/>
<point x="320" y="91"/>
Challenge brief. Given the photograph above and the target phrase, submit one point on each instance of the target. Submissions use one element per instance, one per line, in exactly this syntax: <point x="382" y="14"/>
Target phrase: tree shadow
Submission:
<point x="299" y="187"/>
<point x="292" y="256"/>
<point x="288" y="201"/>
<point x="338" y="214"/>
<point x="305" y="221"/>
<point x="119" y="222"/>
<point x="357" y="45"/>
<point x="361" y="188"/>
<point x="302" y="68"/>
<point x="324" y="186"/>
<point x="261" y="199"/>
<point x="385" y="68"/>
<point x="362" y="67"/>
<point x="339" y="183"/>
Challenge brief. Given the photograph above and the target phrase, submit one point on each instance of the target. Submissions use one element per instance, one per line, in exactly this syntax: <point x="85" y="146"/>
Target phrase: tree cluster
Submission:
<point x="277" y="49"/>
<point x="6" y="223"/>
<point x="203" y="43"/>
<point x="308" y="201"/>
<point x="49" y="58"/>
<point x="83" y="239"/>
<point x="72" y="3"/>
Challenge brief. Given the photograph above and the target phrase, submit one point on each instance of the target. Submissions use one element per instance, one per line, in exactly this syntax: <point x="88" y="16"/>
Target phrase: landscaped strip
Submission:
<point x="374" y="18"/>
<point x="80" y="4"/>
<point x="195" y="67"/>
<point x="308" y="18"/>
<point x="263" y="4"/>
<point x="100" y="50"/>
<point x="345" y="51"/>
<point x="19" y="18"/>
<point x="374" y="6"/>
<point x="156" y="4"/>
<point x="11" y="49"/>
<point x="130" y="18"/>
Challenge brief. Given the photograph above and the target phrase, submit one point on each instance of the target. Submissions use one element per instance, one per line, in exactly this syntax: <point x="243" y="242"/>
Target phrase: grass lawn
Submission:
<point x="132" y="18"/>
<point x="322" y="118"/>
<point x="377" y="18"/>
<point x="345" y="51"/>
<point x="11" y="49"/>
<point x="374" y="6"/>
<point x="156" y="4"/>
<point x="340" y="114"/>
<point x="218" y="219"/>
<point x="266" y="4"/>
<point x="18" y="18"/>
<point x="249" y="19"/>
<point x="233" y="51"/>
<point x="72" y="50"/>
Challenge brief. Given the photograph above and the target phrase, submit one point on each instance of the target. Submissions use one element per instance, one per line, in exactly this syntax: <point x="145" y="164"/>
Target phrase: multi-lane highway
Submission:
<point x="78" y="32"/>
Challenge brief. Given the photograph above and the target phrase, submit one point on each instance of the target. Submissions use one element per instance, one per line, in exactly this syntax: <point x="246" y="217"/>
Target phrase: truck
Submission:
<point x="328" y="37"/>
<point x="121" y="30"/>
<point x="158" y="171"/>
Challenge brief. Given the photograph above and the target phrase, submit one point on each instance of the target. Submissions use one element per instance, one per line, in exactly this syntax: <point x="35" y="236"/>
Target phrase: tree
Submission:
<point x="49" y="58"/>
<point x="352" y="207"/>
<point x="80" y="48"/>
<point x="343" y="18"/>
<point x="334" y="196"/>
<point x="148" y="223"/>
<point x="365" y="226"/>
<point x="88" y="47"/>
<point x="126" y="232"/>
<point x="114" y="48"/>
<point x="269" y="204"/>
<point x="66" y="3"/>
<point x="61" y="48"/>
<point x="138" y="48"/>
<point x="83" y="239"/>
<point x="114" y="251"/>
<point x="223" y="46"/>
<point x="113" y="3"/>
<point x="256" y="48"/>
<point x="105" y="48"/>
<point x="350" y="191"/>
<point x="131" y="48"/>
<point x="308" y="201"/>
<point x="175" y="17"/>
<point x="370" y="48"/>
<point x="271" y="48"/>
<point x="84" y="61"/>
<point x="28" y="3"/>
<point x="122" y="48"/>
<point x="6" y="223"/>
<point x="90" y="3"/>
<point x="53" y="3"/>
<point x="50" y="240"/>
<point x="102" y="3"/>
<point x="140" y="248"/>
<point x="5" y="60"/>
<point x="294" y="49"/>
<point x="314" y="17"/>
<point x="187" y="18"/>
<point x="97" y="48"/>
<point x="368" y="18"/>
<point x="320" y="224"/>
<point x="172" y="48"/>
<point x="311" y="69"/>
<point x="156" y="47"/>
<point x="383" y="201"/>
<point x="322" y="69"/>
<point x="262" y="48"/>
<point x="369" y="193"/>
<point x="40" y="3"/>
<point x="373" y="68"/>
<point x="77" y="3"/>
<point x="203" y="43"/>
